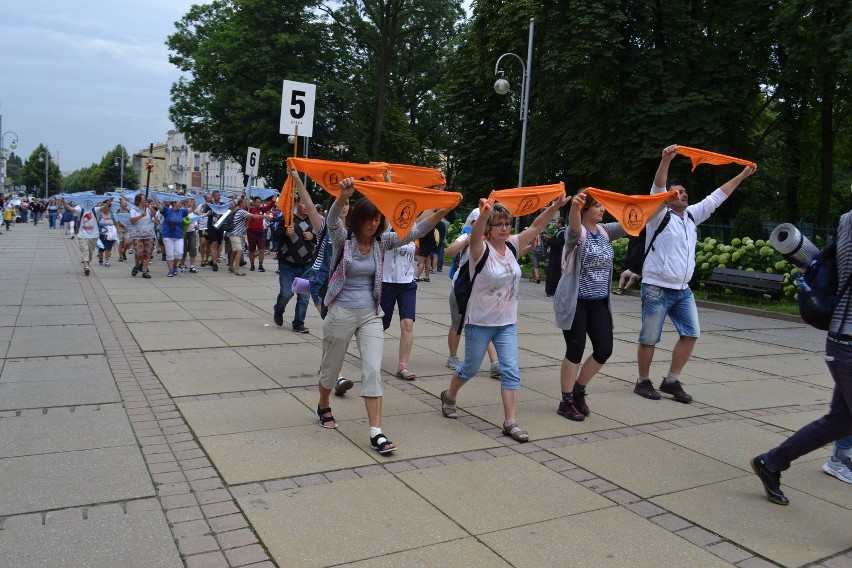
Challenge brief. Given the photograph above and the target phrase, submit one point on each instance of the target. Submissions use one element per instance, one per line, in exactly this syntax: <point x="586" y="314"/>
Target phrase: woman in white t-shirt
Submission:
<point x="400" y="289"/>
<point x="492" y="310"/>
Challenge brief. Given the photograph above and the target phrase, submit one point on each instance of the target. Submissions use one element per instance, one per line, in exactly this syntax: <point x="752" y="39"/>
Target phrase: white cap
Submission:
<point x="471" y="219"/>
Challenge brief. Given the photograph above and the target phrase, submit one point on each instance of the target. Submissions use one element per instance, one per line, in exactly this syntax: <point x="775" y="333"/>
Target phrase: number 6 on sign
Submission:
<point x="297" y="108"/>
<point x="252" y="158"/>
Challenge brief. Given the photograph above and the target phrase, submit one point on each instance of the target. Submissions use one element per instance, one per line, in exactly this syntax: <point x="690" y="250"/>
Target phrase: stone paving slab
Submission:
<point x="626" y="407"/>
<point x="610" y="537"/>
<point x="139" y="540"/>
<point x="41" y="341"/>
<point x="283" y="452"/>
<point x="804" y="476"/>
<point x="765" y="393"/>
<point x="235" y="415"/>
<point x="72" y="314"/>
<point x="53" y="368"/>
<point x="311" y="542"/>
<point x="805" y="531"/>
<point x="463" y="552"/>
<point x="68" y="391"/>
<point x="456" y="490"/>
<point x="351" y="407"/>
<point x="87" y="428"/>
<point x="68" y="479"/>
<point x="656" y="466"/>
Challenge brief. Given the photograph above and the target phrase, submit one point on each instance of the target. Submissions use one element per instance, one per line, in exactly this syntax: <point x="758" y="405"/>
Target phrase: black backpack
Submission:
<point x="463" y="284"/>
<point x="636" y="250"/>
<point x="819" y="290"/>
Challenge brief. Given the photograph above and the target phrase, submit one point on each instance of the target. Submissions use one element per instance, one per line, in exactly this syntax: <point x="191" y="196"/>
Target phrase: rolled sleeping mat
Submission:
<point x="792" y="244"/>
<point x="223" y="218"/>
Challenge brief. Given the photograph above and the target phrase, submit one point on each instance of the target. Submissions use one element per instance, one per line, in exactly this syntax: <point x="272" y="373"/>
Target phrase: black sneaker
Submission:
<point x="343" y="385"/>
<point x="135" y="270"/>
<point x="302" y="329"/>
<point x="278" y="318"/>
<point x="569" y="410"/>
<point x="243" y="263"/>
<point x="214" y="267"/>
<point x="675" y="389"/>
<point x="771" y="481"/>
<point x="580" y="400"/>
<point x="251" y="268"/>
<point x="260" y="268"/>
<point x="646" y="388"/>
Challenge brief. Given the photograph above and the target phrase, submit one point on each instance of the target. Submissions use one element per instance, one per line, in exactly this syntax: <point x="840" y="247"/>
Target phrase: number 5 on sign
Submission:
<point x="252" y="158"/>
<point x="297" y="108"/>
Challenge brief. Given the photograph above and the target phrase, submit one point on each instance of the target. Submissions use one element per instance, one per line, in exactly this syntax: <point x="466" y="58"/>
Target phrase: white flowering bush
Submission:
<point x="741" y="253"/>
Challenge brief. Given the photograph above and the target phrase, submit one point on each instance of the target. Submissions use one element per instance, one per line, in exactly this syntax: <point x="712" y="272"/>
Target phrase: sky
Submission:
<point x="83" y="76"/>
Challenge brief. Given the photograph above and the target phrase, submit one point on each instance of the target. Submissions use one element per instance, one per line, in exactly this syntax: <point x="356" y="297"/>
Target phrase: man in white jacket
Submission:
<point x="665" y="278"/>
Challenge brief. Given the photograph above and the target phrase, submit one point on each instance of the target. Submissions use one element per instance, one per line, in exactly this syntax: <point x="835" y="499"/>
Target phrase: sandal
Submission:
<point x="514" y="431"/>
<point x="381" y="444"/>
<point x="324" y="416"/>
<point x="404" y="374"/>
<point x="448" y="408"/>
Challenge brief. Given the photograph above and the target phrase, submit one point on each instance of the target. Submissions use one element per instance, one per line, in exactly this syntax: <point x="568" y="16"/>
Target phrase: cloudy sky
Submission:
<point x="82" y="76"/>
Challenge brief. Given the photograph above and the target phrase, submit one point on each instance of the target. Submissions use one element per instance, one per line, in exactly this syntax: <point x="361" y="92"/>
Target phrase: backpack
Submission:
<point x="636" y="250"/>
<point x="819" y="290"/>
<point x="228" y="224"/>
<point x="463" y="284"/>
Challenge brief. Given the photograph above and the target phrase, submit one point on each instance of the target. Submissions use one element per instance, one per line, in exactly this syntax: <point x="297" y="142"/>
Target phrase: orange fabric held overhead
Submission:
<point x="704" y="157"/>
<point x="285" y="201"/>
<point x="328" y="174"/>
<point x="414" y="175"/>
<point x="401" y="204"/>
<point x="525" y="200"/>
<point x="632" y="211"/>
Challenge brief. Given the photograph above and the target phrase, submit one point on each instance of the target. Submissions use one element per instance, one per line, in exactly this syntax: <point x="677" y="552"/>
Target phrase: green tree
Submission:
<point x="32" y="173"/>
<point x="234" y="56"/>
<point x="13" y="169"/>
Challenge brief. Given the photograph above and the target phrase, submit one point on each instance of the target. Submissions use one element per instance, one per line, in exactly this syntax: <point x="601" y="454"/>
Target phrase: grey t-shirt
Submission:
<point x="360" y="275"/>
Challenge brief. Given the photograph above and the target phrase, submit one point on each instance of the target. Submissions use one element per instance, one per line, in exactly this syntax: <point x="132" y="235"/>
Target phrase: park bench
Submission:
<point x="759" y="282"/>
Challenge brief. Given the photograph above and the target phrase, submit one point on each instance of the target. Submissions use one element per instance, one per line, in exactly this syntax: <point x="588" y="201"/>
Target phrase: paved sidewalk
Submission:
<point x="168" y="422"/>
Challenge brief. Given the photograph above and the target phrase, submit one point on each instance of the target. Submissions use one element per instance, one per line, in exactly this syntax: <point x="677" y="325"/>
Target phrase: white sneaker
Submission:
<point x="453" y="362"/>
<point x="842" y="470"/>
<point x="495" y="370"/>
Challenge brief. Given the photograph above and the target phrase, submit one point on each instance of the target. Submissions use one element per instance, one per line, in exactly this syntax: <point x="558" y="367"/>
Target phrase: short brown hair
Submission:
<point x="498" y="211"/>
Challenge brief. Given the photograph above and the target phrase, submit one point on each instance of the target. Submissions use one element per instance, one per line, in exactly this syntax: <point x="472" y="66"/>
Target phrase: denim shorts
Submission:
<point x="657" y="303"/>
<point x="505" y="339"/>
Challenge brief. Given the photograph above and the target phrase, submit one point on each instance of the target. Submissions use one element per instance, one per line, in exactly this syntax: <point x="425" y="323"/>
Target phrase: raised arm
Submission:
<point x="313" y="215"/>
<point x="477" y="246"/>
<point x="574" y="215"/>
<point x="669" y="152"/>
<point x="735" y="181"/>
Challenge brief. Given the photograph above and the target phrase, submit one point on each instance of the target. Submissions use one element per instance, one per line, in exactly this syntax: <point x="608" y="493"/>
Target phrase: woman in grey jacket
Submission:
<point x="354" y="299"/>
<point x="581" y="302"/>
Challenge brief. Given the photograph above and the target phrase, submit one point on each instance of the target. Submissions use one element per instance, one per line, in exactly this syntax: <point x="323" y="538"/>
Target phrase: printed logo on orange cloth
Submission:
<point x="328" y="174"/>
<point x="525" y="200"/>
<point x="633" y="217"/>
<point x="403" y="213"/>
<point x="632" y="211"/>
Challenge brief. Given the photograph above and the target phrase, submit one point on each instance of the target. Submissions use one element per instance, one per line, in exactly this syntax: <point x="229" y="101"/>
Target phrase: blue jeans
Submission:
<point x="834" y="426"/>
<point x="52" y="219"/>
<point x="317" y="277"/>
<point x="505" y="339"/>
<point x="286" y="274"/>
<point x="657" y="303"/>
<point x="439" y="265"/>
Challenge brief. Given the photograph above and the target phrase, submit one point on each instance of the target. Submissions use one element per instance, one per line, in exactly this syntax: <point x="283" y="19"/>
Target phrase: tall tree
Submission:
<point x="32" y="172"/>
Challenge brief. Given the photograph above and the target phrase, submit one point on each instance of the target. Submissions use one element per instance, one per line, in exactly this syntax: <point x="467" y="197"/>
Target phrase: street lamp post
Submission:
<point x="501" y="86"/>
<point x="45" y="157"/>
<point x="13" y="144"/>
<point x="121" y="159"/>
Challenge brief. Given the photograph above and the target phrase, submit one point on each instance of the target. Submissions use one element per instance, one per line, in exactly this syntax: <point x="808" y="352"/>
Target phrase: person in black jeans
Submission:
<point x="837" y="424"/>
<point x="296" y="254"/>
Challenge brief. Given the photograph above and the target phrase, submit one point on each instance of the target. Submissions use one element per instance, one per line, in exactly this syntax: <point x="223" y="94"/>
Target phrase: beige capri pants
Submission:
<point x="339" y="326"/>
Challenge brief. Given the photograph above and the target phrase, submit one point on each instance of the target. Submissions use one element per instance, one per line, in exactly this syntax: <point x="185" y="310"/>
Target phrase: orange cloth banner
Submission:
<point x="328" y="174"/>
<point x="525" y="200"/>
<point x="632" y="211"/>
<point x="401" y="204"/>
<point x="414" y="175"/>
<point x="704" y="157"/>
<point x="285" y="201"/>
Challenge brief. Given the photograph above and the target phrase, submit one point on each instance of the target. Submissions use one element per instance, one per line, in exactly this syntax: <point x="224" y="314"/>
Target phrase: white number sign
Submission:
<point x="297" y="108"/>
<point x="252" y="159"/>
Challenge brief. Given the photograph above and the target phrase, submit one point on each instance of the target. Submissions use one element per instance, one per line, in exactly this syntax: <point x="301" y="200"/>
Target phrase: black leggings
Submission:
<point x="592" y="317"/>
